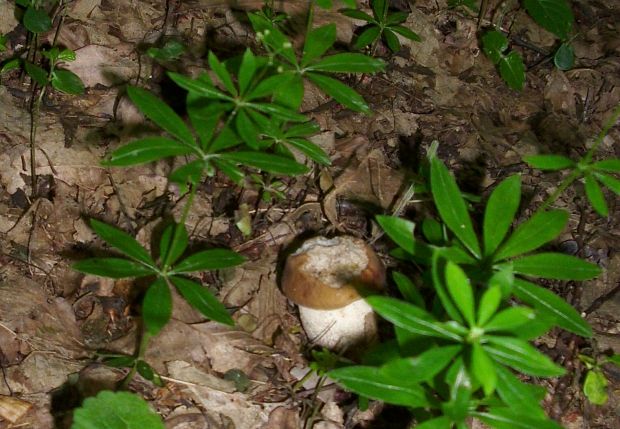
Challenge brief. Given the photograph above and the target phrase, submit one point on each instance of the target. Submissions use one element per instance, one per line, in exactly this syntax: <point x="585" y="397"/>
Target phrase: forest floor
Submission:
<point x="53" y="320"/>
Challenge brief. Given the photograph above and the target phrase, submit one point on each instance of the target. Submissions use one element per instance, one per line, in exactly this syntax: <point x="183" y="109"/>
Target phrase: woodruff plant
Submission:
<point x="245" y="123"/>
<point x="462" y="338"/>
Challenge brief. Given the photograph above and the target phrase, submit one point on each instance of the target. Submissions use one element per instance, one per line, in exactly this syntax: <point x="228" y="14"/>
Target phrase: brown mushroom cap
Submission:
<point x="327" y="274"/>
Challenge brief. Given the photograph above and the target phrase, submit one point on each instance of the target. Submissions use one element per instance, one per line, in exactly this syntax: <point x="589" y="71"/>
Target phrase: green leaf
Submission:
<point x="246" y="70"/>
<point x="380" y="9"/>
<point x="564" y="57"/>
<point x="523" y="397"/>
<point x="68" y="82"/>
<point x="399" y="230"/>
<point x="549" y="162"/>
<point x="552" y="305"/>
<point x="533" y="233"/>
<point x="494" y="43"/>
<point x="396" y="18"/>
<point x="11" y="64"/>
<point x="433" y="231"/>
<point x="115" y="410"/>
<point x="438" y="271"/>
<point x="553" y="15"/>
<point x="609" y="165"/>
<point x="461" y="291"/>
<point x="405" y="32"/>
<point x="366" y="37"/>
<point x="503" y="277"/>
<point x="291" y="93"/>
<point x="160" y="113"/>
<point x="391" y="40"/>
<point x="156" y="306"/>
<point x="422" y="367"/>
<point x="212" y="259"/>
<point x="247" y="129"/>
<point x="204" y="115"/>
<point x="348" y="62"/>
<point x="483" y="369"/>
<point x="512" y="70"/>
<point x="444" y="422"/>
<point x="202" y="300"/>
<point x="189" y="173"/>
<point x="615" y="359"/>
<point x="510" y="319"/>
<point x="222" y="73"/>
<point x="198" y="86"/>
<point x="311" y="150"/>
<point x="451" y="206"/>
<point x="122" y="241"/>
<point x="595" y="387"/>
<point x="457" y="408"/>
<point x="521" y="356"/>
<point x="37" y="20"/>
<point x="411" y="318"/>
<point x="340" y="92"/>
<point x="318" y="41"/>
<point x="595" y="195"/>
<point x="358" y="14"/>
<point x="407" y="289"/>
<point x="506" y="418"/>
<point x="146" y="150"/>
<point x="115" y="268"/>
<point x="145" y="370"/>
<point x="267" y="162"/>
<point x="370" y="382"/>
<point x="489" y="303"/>
<point x="610" y="182"/>
<point x="500" y="212"/>
<point x="173" y="242"/>
<point x="278" y="111"/>
<point x="556" y="266"/>
<point x="231" y="170"/>
<point x="38" y="74"/>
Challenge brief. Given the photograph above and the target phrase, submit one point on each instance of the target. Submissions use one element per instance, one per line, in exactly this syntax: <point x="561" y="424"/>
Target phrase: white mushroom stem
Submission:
<point x="342" y="329"/>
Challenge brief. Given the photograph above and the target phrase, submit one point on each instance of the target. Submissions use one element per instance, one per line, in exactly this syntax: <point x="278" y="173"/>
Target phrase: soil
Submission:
<point x="54" y="321"/>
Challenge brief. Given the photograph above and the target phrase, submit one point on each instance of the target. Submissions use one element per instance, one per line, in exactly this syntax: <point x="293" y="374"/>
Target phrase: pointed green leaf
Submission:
<point x="523" y="397"/>
<point x="366" y="37"/>
<point x="311" y="150"/>
<point x="408" y="290"/>
<point x="549" y="162"/>
<point x="38" y="74"/>
<point x="368" y="381"/>
<point x="533" y="233"/>
<point x="357" y="14"/>
<point x="267" y="162"/>
<point x="36" y="20"/>
<point x="246" y="70"/>
<point x="399" y="230"/>
<point x="451" y="206"/>
<point x="68" y="82"/>
<point x="503" y="277"/>
<point x="405" y="32"/>
<point x="552" y="305"/>
<point x="494" y="43"/>
<point x="121" y="241"/>
<point x="595" y="195"/>
<point x="521" y="356"/>
<point x="247" y="130"/>
<point x="318" y="41"/>
<point x="156" y="306"/>
<point x="391" y="40"/>
<point x="199" y="87"/>
<point x="422" y="367"/>
<point x="610" y="182"/>
<point x="411" y="318"/>
<point x="611" y="165"/>
<point x="443" y="422"/>
<point x="489" y="303"/>
<point x="231" y="170"/>
<point x="202" y="300"/>
<point x="212" y="259"/>
<point x="553" y="15"/>
<point x="348" y="62"/>
<point x="556" y="266"/>
<point x="510" y="319"/>
<point x="396" y="18"/>
<point x="380" y="9"/>
<point x="145" y="150"/>
<point x="173" y="242"/>
<point x="340" y="92"/>
<point x="500" y="212"/>
<point x="222" y="73"/>
<point x="512" y="70"/>
<point x="506" y="418"/>
<point x="438" y="270"/>
<point x="461" y="291"/>
<point x="291" y="93"/>
<point x="278" y="111"/>
<point x="270" y="84"/>
<point x="115" y="268"/>
<point x="160" y="113"/>
<point x="483" y="369"/>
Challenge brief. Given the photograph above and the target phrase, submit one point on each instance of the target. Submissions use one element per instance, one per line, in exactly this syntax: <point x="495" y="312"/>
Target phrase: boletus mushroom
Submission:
<point x="327" y="279"/>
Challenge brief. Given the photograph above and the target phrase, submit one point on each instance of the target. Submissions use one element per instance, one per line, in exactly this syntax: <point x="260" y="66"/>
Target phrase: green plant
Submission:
<point x="553" y="15"/>
<point x="595" y="382"/>
<point x="115" y="410"/>
<point x="461" y="336"/>
<point x="382" y="25"/>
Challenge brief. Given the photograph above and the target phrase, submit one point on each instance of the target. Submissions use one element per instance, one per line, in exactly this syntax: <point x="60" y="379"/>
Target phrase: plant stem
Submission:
<point x="574" y="175"/>
<point x="144" y="342"/>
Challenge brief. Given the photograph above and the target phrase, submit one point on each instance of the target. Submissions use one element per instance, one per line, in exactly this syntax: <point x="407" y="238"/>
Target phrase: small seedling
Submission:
<point x="383" y="25"/>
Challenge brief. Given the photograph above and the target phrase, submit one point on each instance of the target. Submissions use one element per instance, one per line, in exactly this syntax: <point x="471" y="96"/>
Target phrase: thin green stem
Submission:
<point x="144" y="342"/>
<point x="574" y="175"/>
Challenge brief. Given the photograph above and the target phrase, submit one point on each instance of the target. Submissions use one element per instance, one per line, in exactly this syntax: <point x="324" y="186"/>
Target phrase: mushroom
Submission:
<point x="327" y="279"/>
